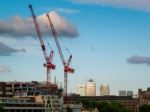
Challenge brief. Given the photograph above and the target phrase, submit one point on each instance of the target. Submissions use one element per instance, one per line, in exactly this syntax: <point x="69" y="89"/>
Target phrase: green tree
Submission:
<point x="112" y="106"/>
<point x="1" y="108"/>
<point x="145" y="108"/>
<point x="104" y="106"/>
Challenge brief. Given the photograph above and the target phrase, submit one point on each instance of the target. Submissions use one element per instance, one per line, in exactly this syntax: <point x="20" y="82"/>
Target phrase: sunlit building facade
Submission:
<point x="90" y="88"/>
<point x="81" y="89"/>
<point x="104" y="90"/>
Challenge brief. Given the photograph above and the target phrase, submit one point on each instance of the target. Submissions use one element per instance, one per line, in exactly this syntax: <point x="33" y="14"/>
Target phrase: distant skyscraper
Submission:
<point x="129" y="93"/>
<point x="90" y="88"/>
<point x="122" y="93"/>
<point x="81" y="89"/>
<point x="104" y="90"/>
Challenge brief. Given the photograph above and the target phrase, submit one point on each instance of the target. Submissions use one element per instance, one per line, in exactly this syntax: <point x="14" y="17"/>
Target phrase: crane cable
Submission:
<point x="66" y="48"/>
<point x="46" y="40"/>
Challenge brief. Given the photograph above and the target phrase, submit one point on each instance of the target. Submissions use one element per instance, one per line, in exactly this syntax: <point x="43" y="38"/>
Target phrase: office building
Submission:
<point x="39" y="103"/>
<point x="90" y="88"/>
<point x="122" y="93"/>
<point x="81" y="89"/>
<point x="130" y="93"/>
<point x="104" y="90"/>
<point x="144" y="96"/>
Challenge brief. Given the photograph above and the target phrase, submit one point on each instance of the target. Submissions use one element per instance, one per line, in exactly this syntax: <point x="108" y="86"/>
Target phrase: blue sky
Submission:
<point x="109" y="34"/>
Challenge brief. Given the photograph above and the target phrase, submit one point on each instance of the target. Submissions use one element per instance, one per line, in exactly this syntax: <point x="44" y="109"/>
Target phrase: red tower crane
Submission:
<point x="67" y="68"/>
<point x="49" y="65"/>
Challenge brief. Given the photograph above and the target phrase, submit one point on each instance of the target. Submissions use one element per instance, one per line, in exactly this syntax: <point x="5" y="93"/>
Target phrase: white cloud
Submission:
<point x="17" y="27"/>
<point x="62" y="26"/>
<point x="143" y="5"/>
<point x="67" y="11"/>
<point x="4" y="69"/>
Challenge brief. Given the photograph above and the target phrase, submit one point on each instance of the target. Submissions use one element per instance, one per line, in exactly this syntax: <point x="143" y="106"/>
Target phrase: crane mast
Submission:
<point x="66" y="65"/>
<point x="48" y="59"/>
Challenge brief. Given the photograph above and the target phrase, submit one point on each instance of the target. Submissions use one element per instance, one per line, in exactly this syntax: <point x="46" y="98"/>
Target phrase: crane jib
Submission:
<point x="43" y="47"/>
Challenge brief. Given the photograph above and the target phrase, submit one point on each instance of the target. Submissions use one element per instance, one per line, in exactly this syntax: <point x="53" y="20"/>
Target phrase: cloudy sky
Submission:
<point x="109" y="41"/>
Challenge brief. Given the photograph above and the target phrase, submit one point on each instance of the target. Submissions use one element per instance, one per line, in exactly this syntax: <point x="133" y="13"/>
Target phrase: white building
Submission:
<point x="104" y="90"/>
<point x="90" y="88"/>
<point x="81" y="89"/>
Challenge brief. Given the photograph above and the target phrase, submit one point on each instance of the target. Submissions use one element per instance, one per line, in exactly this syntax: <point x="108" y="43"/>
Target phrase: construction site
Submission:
<point x="36" y="96"/>
<point x="110" y="34"/>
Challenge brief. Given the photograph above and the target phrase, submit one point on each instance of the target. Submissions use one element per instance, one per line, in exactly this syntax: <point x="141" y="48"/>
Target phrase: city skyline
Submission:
<point x="109" y="42"/>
